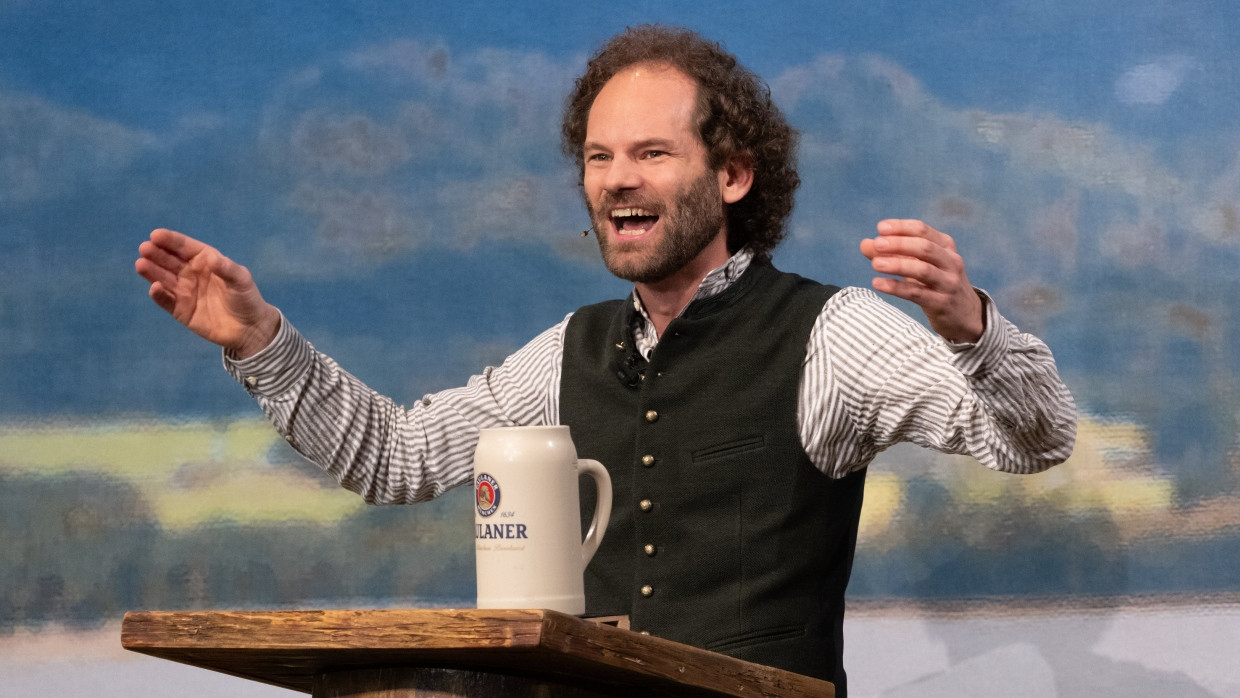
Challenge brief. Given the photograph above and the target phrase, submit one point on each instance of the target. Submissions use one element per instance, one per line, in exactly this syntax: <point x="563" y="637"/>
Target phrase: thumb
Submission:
<point x="867" y="248"/>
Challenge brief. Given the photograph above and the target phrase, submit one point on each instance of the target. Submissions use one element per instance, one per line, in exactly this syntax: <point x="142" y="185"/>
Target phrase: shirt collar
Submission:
<point x="715" y="282"/>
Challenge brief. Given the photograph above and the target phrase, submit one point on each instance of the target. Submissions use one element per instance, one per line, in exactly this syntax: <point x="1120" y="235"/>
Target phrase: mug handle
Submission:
<point x="602" y="507"/>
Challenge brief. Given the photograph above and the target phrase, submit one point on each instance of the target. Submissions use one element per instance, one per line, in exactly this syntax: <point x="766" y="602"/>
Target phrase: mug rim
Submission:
<point x="525" y="427"/>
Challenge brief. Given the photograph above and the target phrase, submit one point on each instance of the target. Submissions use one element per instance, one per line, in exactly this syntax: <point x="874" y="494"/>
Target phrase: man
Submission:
<point x="736" y="407"/>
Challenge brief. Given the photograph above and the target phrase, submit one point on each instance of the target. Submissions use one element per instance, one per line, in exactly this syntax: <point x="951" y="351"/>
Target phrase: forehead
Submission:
<point x="645" y="101"/>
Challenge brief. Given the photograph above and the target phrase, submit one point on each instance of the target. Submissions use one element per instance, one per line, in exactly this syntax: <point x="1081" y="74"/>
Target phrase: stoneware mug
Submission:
<point x="527" y="519"/>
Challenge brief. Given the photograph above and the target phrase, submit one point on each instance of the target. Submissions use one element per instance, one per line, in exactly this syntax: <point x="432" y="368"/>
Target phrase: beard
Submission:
<point x="692" y="220"/>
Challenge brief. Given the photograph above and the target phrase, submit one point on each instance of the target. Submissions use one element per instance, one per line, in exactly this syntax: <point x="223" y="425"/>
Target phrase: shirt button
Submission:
<point x="647" y="591"/>
<point x="251" y="381"/>
<point x="650" y="550"/>
<point x="652" y="416"/>
<point x="646" y="505"/>
<point x="647" y="460"/>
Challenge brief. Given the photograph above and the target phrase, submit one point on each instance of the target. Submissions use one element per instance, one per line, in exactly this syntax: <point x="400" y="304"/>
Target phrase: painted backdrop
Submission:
<point x="390" y="172"/>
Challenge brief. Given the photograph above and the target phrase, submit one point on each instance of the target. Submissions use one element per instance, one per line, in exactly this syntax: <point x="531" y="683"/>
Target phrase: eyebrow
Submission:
<point x="662" y="143"/>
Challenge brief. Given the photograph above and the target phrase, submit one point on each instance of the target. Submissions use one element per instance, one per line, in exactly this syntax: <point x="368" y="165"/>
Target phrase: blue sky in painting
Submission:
<point x="118" y="60"/>
<point x="390" y="172"/>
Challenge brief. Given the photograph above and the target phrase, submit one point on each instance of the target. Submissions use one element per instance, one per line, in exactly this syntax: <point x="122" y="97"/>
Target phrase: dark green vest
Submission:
<point x="723" y="534"/>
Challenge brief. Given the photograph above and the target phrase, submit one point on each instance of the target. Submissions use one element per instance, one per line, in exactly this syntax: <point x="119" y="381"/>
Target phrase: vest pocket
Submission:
<point x="757" y="637"/>
<point x="749" y="443"/>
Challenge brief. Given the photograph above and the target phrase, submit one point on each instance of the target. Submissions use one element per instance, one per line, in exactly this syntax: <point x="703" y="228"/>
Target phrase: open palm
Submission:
<point x="212" y="295"/>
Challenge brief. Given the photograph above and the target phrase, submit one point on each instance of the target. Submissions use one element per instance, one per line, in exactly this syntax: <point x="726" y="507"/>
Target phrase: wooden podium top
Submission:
<point x="289" y="648"/>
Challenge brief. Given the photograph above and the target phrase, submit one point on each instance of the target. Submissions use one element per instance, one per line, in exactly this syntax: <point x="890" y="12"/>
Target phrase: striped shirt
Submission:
<point x="872" y="377"/>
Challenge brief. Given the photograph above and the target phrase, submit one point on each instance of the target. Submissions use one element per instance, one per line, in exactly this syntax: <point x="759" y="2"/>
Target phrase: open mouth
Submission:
<point x="633" y="221"/>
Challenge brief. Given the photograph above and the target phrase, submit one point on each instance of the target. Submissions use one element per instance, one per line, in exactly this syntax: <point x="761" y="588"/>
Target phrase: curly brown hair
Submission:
<point x="736" y="119"/>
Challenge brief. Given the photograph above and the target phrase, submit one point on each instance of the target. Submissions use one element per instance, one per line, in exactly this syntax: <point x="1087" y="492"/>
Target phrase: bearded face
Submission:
<point x="657" y="204"/>
<point x="689" y="221"/>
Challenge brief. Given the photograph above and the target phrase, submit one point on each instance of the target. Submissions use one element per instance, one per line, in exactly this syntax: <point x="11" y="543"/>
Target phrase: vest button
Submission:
<point x="650" y="550"/>
<point x="647" y="460"/>
<point x="647" y="591"/>
<point x="652" y="416"/>
<point x="645" y="632"/>
<point x="646" y="505"/>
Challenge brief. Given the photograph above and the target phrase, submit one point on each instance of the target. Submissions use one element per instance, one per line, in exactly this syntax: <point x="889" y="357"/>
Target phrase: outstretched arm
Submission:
<point x="369" y="443"/>
<point x="931" y="274"/>
<point x="212" y="295"/>
<point x="875" y="377"/>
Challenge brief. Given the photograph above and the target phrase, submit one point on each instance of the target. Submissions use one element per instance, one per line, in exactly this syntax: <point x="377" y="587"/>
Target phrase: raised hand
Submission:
<point x="930" y="273"/>
<point x="212" y="295"/>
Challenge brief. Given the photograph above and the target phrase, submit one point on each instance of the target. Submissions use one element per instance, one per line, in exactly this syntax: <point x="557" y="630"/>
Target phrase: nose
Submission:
<point x="621" y="174"/>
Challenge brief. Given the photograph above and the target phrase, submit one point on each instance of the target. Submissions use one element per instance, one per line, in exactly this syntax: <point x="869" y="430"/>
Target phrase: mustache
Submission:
<point x="626" y="200"/>
<point x="623" y="200"/>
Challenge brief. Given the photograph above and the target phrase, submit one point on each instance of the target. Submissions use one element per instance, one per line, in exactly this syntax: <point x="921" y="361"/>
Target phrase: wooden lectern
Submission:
<point x="443" y="653"/>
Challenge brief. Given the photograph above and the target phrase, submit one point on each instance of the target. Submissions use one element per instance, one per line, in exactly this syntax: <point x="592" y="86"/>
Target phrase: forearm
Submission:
<point x="371" y="445"/>
<point x="1023" y="416"/>
<point x="890" y="380"/>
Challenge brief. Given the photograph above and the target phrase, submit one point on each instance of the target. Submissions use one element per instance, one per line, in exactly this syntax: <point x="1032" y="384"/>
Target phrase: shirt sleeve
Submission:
<point x="385" y="452"/>
<point x="874" y="377"/>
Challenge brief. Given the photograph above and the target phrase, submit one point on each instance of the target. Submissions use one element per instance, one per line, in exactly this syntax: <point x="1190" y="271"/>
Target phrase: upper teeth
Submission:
<point x="630" y="212"/>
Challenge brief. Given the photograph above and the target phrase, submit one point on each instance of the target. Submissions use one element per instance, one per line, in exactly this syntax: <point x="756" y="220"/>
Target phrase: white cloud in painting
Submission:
<point x="1029" y="195"/>
<point x="514" y="207"/>
<point x="529" y="87"/>
<point x="351" y="143"/>
<point x="360" y="223"/>
<point x="1153" y="82"/>
<point x="842" y="102"/>
<point x="408" y="144"/>
<point x="47" y="150"/>
<point x="1088" y="155"/>
<point x="405" y="144"/>
<point x="1218" y="218"/>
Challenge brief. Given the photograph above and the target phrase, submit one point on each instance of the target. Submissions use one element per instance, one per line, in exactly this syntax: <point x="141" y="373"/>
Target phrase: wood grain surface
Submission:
<point x="291" y="648"/>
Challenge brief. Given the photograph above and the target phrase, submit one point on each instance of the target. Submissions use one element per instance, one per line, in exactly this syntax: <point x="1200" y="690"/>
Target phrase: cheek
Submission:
<point x="590" y="193"/>
<point x="591" y="179"/>
<point x="585" y="190"/>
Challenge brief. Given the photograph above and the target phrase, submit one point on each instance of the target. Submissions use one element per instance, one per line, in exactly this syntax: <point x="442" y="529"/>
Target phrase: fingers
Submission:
<point x="163" y="298"/>
<point x="935" y="275"/>
<point x="177" y="244"/>
<point x="914" y="239"/>
<point x="868" y="249"/>
<point x="907" y="289"/>
<point x="889" y="230"/>
<point x="152" y="257"/>
<point x="928" y="271"/>
<point x="154" y="273"/>
<point x="917" y="253"/>
<point x="895" y="227"/>
<point x="163" y="258"/>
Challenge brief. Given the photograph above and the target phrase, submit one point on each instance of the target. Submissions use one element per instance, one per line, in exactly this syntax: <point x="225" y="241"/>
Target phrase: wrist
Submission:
<point x="258" y="336"/>
<point x="970" y="326"/>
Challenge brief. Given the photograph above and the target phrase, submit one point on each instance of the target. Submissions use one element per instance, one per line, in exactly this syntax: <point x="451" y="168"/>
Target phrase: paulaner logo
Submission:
<point x="504" y="531"/>
<point x="486" y="491"/>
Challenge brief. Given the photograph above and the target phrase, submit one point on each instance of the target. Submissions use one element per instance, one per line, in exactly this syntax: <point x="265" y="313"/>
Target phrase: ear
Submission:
<point x="736" y="178"/>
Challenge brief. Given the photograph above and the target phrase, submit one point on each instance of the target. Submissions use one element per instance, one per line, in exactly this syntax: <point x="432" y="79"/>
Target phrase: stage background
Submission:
<point x="390" y="172"/>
